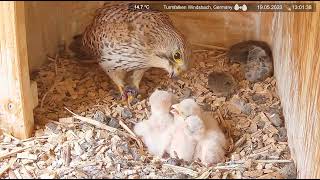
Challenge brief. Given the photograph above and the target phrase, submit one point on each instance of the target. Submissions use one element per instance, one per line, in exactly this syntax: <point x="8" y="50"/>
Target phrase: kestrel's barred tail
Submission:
<point x="77" y="48"/>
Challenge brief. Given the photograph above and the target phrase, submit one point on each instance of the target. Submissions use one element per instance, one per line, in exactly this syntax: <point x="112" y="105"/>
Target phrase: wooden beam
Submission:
<point x="34" y="91"/>
<point x="16" y="108"/>
<point x="295" y="38"/>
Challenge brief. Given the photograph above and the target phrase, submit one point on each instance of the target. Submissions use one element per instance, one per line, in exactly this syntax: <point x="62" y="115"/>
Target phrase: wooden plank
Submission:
<point x="50" y="24"/>
<point x="15" y="92"/>
<point x="217" y="28"/>
<point x="295" y="42"/>
<point x="34" y="91"/>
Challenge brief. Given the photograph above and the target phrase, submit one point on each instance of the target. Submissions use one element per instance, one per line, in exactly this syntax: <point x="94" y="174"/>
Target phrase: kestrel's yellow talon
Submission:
<point x="130" y="99"/>
<point x="120" y="89"/>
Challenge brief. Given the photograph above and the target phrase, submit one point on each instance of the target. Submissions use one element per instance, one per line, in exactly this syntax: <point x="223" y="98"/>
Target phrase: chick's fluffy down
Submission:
<point x="155" y="133"/>
<point x="182" y="143"/>
<point x="210" y="149"/>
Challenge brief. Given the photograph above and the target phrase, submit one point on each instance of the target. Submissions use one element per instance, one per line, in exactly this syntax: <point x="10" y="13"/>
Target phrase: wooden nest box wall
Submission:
<point x="31" y="30"/>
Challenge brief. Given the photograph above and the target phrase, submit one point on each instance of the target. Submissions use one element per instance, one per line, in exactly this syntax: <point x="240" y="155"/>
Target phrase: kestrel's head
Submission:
<point x="178" y="62"/>
<point x="174" y="53"/>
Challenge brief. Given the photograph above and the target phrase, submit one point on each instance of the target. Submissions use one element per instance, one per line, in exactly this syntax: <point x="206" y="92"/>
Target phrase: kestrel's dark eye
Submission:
<point x="177" y="56"/>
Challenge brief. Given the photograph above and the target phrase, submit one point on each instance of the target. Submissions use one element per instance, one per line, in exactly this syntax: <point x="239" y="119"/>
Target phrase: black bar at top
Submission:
<point x="223" y="7"/>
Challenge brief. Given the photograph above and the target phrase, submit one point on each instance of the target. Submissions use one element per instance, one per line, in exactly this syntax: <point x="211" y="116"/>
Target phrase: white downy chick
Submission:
<point x="203" y="132"/>
<point x="183" y="142"/>
<point x="211" y="146"/>
<point x="155" y="131"/>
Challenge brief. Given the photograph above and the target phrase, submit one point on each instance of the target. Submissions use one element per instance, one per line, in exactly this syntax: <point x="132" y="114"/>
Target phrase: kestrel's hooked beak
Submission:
<point x="171" y="74"/>
<point x="175" y="72"/>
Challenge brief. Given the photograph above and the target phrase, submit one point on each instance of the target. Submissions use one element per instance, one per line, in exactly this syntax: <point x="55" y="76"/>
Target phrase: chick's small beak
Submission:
<point x="175" y="106"/>
<point x="174" y="112"/>
<point x="175" y="109"/>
